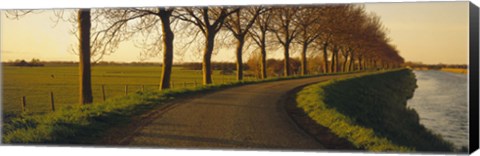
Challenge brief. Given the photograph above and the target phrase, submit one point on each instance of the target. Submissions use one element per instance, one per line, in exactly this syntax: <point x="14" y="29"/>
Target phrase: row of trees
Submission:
<point x="434" y="66"/>
<point x="33" y="63"/>
<point x="337" y="32"/>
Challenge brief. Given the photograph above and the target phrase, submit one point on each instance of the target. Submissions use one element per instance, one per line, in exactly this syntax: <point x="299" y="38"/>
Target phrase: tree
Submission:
<point x="84" y="25"/>
<point x="258" y="33"/>
<point x="340" y="27"/>
<point x="122" y="24"/>
<point x="372" y="38"/>
<point x="167" y="37"/>
<point x="254" y="65"/>
<point x="285" y="30"/>
<point x="239" y="24"/>
<point x="209" y="20"/>
<point x="310" y="30"/>
<point x="329" y="22"/>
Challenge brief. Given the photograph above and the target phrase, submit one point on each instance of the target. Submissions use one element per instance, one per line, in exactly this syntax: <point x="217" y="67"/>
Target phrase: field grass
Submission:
<point x="370" y="111"/>
<point x="75" y="124"/>
<point x="85" y="124"/>
<point x="455" y="70"/>
<point x="36" y="83"/>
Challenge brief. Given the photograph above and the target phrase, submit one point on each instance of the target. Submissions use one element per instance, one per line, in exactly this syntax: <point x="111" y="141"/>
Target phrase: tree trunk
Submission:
<point x="352" y="61"/>
<point x="264" y="61"/>
<point x="207" y="56"/>
<point x="167" y="37"/>
<point x="325" y="57"/>
<point x="304" y="59"/>
<point x="334" y="62"/>
<point x="286" y="61"/>
<point x="344" y="67"/>
<point x="360" y="63"/>
<point x="337" y="61"/>
<point x="364" y="64"/>
<point x="84" y="63"/>
<point x="239" y="49"/>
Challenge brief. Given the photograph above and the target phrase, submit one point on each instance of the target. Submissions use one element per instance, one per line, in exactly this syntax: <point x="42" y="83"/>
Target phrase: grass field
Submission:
<point x="36" y="83"/>
<point x="455" y="70"/>
<point x="85" y="124"/>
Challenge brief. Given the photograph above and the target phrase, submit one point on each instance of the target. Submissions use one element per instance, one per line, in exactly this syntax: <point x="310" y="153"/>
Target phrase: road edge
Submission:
<point x="308" y="126"/>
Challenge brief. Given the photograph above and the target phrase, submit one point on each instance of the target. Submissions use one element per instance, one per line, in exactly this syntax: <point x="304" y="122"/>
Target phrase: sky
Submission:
<point x="428" y="32"/>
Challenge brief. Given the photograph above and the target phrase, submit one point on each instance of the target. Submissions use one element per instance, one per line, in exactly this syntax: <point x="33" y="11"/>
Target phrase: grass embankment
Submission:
<point x="86" y="124"/>
<point x="370" y="111"/>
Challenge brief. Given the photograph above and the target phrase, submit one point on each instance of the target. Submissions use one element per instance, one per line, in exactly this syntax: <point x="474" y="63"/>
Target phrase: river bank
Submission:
<point x="370" y="112"/>
<point x="455" y="70"/>
<point x="441" y="101"/>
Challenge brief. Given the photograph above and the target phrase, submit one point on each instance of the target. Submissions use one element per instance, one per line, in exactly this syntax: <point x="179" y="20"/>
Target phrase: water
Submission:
<point x="442" y="104"/>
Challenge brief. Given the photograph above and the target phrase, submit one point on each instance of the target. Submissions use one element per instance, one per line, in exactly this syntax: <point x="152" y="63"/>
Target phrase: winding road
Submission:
<point x="248" y="117"/>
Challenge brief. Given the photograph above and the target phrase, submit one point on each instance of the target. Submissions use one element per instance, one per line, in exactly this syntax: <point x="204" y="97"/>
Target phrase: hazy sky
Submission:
<point x="429" y="32"/>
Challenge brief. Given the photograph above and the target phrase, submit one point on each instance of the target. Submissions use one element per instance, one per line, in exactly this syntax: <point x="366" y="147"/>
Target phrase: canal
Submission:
<point x="441" y="100"/>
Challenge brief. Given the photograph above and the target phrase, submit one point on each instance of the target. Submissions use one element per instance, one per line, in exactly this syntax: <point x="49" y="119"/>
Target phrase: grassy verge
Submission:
<point x="85" y="124"/>
<point x="370" y="111"/>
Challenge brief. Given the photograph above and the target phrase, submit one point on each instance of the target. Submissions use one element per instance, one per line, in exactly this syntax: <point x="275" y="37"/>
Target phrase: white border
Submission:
<point x="82" y="151"/>
<point x="48" y="4"/>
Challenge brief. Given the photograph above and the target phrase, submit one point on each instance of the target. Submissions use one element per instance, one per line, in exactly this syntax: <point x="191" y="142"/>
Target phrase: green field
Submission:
<point x="36" y="83"/>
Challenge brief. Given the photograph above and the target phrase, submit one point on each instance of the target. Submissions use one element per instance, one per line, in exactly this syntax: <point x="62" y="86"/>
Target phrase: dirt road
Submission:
<point x="247" y="117"/>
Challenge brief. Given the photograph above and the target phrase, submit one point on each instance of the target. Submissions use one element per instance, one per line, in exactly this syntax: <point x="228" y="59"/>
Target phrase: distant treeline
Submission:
<point x="32" y="63"/>
<point x="38" y="62"/>
<point x="434" y="66"/>
<point x="215" y="66"/>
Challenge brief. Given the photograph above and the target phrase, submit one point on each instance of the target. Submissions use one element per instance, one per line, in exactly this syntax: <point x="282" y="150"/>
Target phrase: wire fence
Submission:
<point x="103" y="92"/>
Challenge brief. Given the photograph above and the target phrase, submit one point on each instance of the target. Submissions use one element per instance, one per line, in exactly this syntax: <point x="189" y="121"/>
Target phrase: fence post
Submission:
<point x="103" y="92"/>
<point x="24" y="104"/>
<point x="143" y="88"/>
<point x="126" y="90"/>
<point x="52" y="101"/>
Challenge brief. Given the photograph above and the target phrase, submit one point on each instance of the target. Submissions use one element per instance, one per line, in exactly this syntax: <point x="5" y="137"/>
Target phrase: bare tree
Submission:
<point x="327" y="22"/>
<point x="167" y="37"/>
<point x="285" y="30"/>
<point x="343" y="22"/>
<point x="239" y="24"/>
<point x="209" y="20"/>
<point x="84" y="25"/>
<point x="258" y="33"/>
<point x="372" y="38"/>
<point x="121" y="24"/>
<point x="309" y="25"/>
